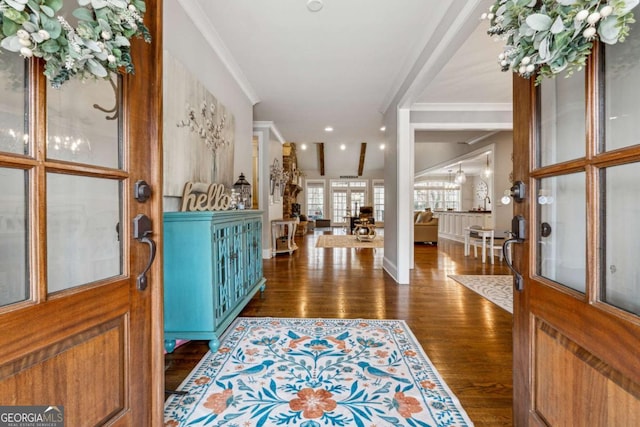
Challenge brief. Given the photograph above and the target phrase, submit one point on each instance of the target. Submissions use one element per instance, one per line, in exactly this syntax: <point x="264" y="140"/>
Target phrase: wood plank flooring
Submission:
<point x="466" y="337"/>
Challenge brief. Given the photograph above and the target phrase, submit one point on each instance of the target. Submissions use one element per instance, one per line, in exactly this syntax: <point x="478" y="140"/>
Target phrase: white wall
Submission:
<point x="390" y="192"/>
<point x="270" y="149"/>
<point x="187" y="45"/>
<point x="502" y="175"/>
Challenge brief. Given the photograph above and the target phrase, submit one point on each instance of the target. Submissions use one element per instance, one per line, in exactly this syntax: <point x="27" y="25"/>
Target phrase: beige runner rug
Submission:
<point x="348" y="241"/>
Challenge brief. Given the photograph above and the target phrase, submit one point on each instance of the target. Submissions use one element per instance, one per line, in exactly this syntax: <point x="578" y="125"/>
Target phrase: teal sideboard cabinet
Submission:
<point x="212" y="269"/>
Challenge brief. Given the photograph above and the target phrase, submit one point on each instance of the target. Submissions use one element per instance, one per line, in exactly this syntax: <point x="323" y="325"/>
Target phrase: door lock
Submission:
<point x="141" y="191"/>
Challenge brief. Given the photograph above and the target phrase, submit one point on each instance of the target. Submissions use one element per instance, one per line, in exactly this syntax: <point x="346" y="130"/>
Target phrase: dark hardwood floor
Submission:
<point x="467" y="338"/>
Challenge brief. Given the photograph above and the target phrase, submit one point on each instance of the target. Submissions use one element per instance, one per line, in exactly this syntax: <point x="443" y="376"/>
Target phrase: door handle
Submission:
<point x="505" y="251"/>
<point x="141" y="232"/>
<point x="517" y="233"/>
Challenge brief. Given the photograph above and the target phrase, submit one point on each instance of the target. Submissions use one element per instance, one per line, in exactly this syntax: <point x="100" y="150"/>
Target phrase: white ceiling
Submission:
<point x="341" y="67"/>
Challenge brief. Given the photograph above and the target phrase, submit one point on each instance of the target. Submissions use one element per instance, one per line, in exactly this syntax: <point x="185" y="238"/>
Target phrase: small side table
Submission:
<point x="282" y="233"/>
<point x="365" y="231"/>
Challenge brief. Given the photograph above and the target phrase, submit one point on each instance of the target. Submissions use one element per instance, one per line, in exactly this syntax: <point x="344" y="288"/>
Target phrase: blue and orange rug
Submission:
<point x="313" y="373"/>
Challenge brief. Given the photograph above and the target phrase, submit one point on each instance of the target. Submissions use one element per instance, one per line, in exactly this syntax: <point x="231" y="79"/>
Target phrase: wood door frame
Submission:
<point x="147" y="85"/>
<point x="523" y="137"/>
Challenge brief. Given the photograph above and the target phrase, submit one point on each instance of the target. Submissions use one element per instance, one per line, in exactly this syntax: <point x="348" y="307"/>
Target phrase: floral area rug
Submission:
<point x="497" y="289"/>
<point x="347" y="241"/>
<point x="313" y="373"/>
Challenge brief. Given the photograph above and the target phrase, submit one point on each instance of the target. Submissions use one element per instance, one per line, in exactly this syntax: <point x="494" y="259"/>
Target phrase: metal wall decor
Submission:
<point x="278" y="177"/>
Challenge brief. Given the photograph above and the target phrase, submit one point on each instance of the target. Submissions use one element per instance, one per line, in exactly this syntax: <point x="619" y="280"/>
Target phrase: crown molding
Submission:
<point x="453" y="106"/>
<point x="272" y="127"/>
<point x="208" y="31"/>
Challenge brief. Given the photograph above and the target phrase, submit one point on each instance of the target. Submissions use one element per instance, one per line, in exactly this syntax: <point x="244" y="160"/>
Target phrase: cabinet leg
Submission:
<point x="214" y="345"/>
<point x="169" y="345"/>
<point x="262" y="288"/>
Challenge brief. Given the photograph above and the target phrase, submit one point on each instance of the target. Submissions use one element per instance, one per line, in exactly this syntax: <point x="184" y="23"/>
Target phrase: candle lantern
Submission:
<point x="243" y="189"/>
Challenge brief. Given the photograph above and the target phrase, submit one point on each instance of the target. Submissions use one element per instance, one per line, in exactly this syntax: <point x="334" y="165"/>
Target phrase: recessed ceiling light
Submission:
<point x="382" y="146"/>
<point x="314" y="5"/>
<point x="303" y="146"/>
<point x="343" y="147"/>
<point x="328" y="129"/>
<point x="383" y="128"/>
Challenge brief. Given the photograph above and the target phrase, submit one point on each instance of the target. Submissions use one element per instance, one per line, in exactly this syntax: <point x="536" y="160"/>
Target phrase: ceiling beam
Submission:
<point x="363" y="151"/>
<point x="320" y="146"/>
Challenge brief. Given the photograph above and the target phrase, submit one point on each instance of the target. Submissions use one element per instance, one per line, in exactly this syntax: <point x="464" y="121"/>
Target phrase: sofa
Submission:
<point x="425" y="227"/>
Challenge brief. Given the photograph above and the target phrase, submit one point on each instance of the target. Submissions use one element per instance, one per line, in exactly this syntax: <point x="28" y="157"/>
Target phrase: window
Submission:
<point x="437" y="195"/>
<point x="315" y="200"/>
<point x="346" y="199"/>
<point x="378" y="201"/>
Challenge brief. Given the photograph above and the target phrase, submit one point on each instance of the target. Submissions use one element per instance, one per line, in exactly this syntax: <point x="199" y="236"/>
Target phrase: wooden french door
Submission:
<point x="77" y="332"/>
<point x="577" y="318"/>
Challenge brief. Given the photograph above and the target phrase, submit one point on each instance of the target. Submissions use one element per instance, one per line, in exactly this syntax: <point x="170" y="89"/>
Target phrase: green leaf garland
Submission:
<point x="97" y="46"/>
<point x="548" y="37"/>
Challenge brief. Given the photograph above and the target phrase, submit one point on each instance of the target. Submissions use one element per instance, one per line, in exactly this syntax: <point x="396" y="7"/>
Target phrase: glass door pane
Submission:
<point x="339" y="205"/>
<point x="562" y="119"/>
<point x="83" y="122"/>
<point x="622" y="80"/>
<point x="13" y="115"/>
<point x="356" y="201"/>
<point x="621" y="270"/>
<point x="14" y="277"/>
<point x="83" y="225"/>
<point x="562" y="230"/>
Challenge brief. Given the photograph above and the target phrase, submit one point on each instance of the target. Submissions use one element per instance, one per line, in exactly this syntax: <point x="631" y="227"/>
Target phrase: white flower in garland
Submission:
<point x="99" y="44"/>
<point x="551" y="36"/>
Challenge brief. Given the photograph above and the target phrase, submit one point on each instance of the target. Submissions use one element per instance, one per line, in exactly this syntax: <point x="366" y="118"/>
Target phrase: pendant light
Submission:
<point x="487" y="170"/>
<point x="461" y="178"/>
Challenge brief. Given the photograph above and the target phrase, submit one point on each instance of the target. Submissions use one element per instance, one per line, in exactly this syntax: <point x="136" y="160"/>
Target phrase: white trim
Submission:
<point x="482" y="138"/>
<point x="454" y="162"/>
<point x="272" y="127"/>
<point x="390" y="268"/>
<point x="461" y="106"/>
<point x="404" y="179"/>
<point x="488" y="126"/>
<point x="208" y="31"/>
<point x="464" y="21"/>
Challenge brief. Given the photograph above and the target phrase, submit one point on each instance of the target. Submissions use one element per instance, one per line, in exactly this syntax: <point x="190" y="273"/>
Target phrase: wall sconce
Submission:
<point x="506" y="198"/>
<point x="517" y="192"/>
<point x="545" y="197"/>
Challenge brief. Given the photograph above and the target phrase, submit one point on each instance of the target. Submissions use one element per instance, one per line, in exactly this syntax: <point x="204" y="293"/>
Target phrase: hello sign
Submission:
<point x="198" y="196"/>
